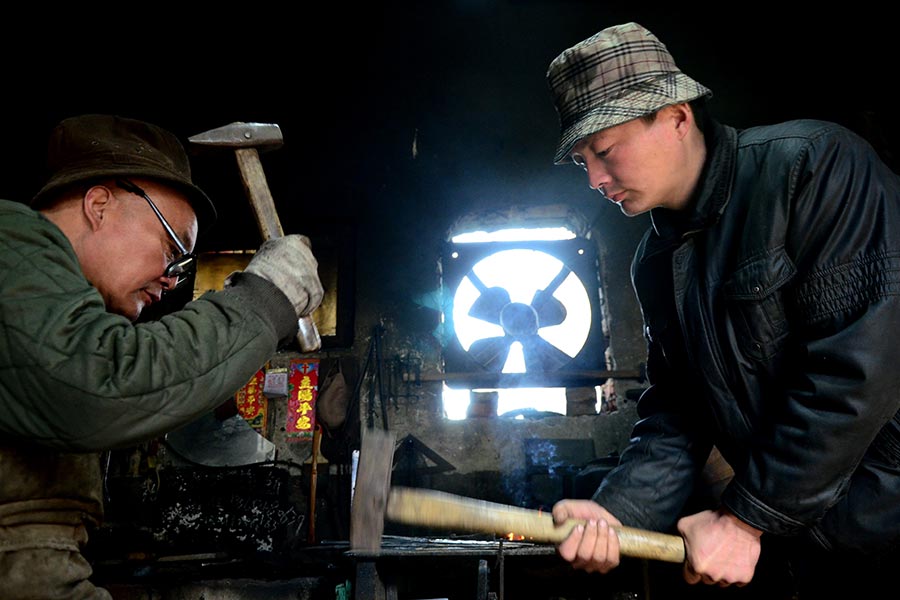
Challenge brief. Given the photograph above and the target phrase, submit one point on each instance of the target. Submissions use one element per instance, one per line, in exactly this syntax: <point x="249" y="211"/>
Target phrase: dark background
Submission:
<point x="353" y="86"/>
<point x="398" y="119"/>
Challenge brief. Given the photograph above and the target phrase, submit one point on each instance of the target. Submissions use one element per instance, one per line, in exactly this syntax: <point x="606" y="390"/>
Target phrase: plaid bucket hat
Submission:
<point x="97" y="146"/>
<point x="621" y="73"/>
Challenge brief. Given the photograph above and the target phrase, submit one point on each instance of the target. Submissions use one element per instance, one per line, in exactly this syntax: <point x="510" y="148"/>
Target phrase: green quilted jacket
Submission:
<point x="75" y="379"/>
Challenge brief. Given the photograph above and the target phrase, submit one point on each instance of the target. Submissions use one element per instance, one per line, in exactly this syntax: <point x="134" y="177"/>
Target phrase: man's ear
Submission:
<point x="95" y="204"/>
<point x="683" y="118"/>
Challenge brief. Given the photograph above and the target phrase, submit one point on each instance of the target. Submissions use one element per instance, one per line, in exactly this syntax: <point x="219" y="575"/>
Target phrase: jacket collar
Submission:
<point x="713" y="191"/>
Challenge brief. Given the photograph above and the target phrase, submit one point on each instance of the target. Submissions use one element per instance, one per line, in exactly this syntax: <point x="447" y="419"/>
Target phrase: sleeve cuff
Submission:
<point x="271" y="302"/>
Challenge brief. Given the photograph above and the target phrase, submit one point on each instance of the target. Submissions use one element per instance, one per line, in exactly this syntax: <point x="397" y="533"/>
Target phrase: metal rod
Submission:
<point x="370" y="407"/>
<point x="502" y="583"/>
<point x="379" y="374"/>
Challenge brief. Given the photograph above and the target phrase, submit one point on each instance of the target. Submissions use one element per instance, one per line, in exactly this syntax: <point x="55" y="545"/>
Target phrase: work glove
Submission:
<point x="289" y="264"/>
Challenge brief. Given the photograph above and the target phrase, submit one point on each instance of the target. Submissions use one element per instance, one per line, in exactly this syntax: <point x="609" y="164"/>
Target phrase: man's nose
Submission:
<point x="597" y="178"/>
<point x="168" y="283"/>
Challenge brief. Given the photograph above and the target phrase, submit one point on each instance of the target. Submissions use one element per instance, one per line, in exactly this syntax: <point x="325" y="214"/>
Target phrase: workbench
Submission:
<point x="415" y="568"/>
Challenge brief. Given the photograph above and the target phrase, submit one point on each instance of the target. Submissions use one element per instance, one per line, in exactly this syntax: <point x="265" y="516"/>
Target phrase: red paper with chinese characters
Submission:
<point x="303" y="388"/>
<point x="252" y="404"/>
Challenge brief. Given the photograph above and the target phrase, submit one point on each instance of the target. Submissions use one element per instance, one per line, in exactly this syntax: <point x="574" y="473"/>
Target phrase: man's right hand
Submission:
<point x="289" y="264"/>
<point x="721" y="549"/>
<point x="593" y="547"/>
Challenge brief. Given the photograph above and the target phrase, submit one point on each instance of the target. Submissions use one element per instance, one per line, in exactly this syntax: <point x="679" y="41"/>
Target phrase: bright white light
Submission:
<point x="522" y="273"/>
<point x="514" y="235"/>
<point x="456" y="403"/>
<point x="570" y="335"/>
<point x="515" y="361"/>
<point x="553" y="400"/>
<point x="540" y="399"/>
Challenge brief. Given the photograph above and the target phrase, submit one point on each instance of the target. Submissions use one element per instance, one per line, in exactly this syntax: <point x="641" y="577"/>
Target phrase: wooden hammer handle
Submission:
<point x="270" y="227"/>
<point x="441" y="510"/>
<point x="258" y="191"/>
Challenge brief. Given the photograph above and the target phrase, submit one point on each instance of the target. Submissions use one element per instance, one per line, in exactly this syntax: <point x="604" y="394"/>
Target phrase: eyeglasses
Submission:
<point x="183" y="266"/>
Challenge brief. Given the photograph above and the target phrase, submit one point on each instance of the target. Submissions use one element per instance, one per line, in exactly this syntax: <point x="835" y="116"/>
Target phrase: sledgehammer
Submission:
<point x="244" y="139"/>
<point x="374" y="500"/>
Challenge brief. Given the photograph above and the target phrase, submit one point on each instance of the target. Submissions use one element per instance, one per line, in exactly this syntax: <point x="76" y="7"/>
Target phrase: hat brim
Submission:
<point x="641" y="99"/>
<point x="201" y="203"/>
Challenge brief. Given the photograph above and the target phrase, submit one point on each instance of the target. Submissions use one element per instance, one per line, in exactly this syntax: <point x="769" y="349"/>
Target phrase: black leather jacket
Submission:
<point x="772" y="311"/>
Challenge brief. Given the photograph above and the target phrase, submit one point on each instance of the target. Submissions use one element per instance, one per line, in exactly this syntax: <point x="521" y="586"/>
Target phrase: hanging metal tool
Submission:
<point x="313" y="483"/>
<point x="376" y="386"/>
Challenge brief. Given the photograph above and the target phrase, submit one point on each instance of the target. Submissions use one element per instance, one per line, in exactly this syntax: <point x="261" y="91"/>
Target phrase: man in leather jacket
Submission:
<point x="768" y="284"/>
<point x="112" y="230"/>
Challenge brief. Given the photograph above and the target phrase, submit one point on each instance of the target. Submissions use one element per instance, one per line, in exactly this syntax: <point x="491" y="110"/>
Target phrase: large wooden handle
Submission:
<point x="441" y="510"/>
<point x="258" y="192"/>
<point x="257" y="189"/>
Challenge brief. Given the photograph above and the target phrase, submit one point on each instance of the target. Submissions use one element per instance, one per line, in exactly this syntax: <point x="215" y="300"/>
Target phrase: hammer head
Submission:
<point x="264" y="136"/>
<point x="373" y="482"/>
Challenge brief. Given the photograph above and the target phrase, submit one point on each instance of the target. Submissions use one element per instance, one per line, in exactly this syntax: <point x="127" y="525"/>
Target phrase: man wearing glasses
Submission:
<point x="113" y="230"/>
